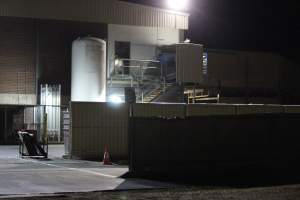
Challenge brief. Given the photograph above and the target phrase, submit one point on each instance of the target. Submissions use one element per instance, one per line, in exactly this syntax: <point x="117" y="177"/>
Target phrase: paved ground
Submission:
<point x="61" y="179"/>
<point x="290" y="192"/>
<point x="33" y="177"/>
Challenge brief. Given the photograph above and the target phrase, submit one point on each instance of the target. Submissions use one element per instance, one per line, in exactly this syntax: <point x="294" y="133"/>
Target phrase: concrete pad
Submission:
<point x="35" y="177"/>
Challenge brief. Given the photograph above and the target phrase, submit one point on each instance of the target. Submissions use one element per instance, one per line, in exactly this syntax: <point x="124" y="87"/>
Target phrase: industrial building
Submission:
<point x="35" y="64"/>
<point x="65" y="59"/>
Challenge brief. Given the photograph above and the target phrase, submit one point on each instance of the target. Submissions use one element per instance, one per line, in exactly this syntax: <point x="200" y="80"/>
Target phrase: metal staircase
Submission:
<point x="157" y="92"/>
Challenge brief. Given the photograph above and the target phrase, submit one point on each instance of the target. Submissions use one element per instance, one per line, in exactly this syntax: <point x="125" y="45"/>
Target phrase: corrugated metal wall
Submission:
<point x="227" y="67"/>
<point x="102" y="11"/>
<point x="258" y="77"/>
<point x="94" y="125"/>
<point x="193" y="110"/>
<point x="210" y="109"/>
<point x="292" y="109"/>
<point x="289" y="80"/>
<point x="212" y="144"/>
<point x="245" y="69"/>
<point x="158" y="110"/>
<point x="29" y="44"/>
<point x="189" y="63"/>
<point x="263" y="70"/>
<point x="17" y="61"/>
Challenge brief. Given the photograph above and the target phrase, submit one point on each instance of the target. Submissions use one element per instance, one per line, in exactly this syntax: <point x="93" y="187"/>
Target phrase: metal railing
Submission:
<point x="143" y="75"/>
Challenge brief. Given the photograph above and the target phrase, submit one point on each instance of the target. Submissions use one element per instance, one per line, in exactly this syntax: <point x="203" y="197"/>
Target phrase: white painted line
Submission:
<point x="31" y="170"/>
<point x="74" y="169"/>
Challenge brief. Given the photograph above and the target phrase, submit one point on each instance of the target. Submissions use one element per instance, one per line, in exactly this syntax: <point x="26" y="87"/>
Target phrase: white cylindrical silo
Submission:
<point x="88" y="70"/>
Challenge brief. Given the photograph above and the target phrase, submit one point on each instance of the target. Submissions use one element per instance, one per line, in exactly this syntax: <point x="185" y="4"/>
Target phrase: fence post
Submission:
<point x="45" y="135"/>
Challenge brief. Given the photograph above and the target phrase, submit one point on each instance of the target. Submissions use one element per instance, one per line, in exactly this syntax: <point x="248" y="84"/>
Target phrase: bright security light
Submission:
<point x="115" y="99"/>
<point x="177" y="5"/>
<point x="117" y="62"/>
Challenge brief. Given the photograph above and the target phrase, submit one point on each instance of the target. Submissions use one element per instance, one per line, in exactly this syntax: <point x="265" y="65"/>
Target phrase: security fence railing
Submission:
<point x="145" y="76"/>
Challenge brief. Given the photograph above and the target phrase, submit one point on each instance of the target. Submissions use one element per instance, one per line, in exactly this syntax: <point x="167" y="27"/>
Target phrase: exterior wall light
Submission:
<point x="177" y="5"/>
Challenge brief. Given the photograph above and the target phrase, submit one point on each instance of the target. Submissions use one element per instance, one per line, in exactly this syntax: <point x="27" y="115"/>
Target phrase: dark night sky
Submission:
<point x="260" y="25"/>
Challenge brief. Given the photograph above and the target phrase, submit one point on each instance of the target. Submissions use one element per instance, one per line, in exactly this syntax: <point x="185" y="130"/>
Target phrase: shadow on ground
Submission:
<point x="240" y="177"/>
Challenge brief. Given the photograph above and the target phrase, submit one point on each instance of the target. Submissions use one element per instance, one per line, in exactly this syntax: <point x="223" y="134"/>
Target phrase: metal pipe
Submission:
<point x="136" y="66"/>
<point x="37" y="62"/>
<point x="140" y="60"/>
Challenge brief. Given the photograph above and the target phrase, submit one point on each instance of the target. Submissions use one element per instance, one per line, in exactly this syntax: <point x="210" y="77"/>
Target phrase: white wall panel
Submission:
<point x="143" y="52"/>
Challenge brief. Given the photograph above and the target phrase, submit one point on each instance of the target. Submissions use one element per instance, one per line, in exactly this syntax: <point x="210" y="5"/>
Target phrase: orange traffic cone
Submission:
<point x="106" y="159"/>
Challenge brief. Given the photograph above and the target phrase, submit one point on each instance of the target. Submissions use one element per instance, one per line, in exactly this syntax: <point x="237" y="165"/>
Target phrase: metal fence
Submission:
<point x="46" y="118"/>
<point x="173" y="146"/>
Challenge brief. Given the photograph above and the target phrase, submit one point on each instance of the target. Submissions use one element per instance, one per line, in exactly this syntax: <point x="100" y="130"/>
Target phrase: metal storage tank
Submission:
<point x="88" y="70"/>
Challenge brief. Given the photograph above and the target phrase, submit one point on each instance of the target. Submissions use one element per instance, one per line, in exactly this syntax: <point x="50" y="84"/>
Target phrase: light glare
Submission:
<point x="115" y="99"/>
<point x="177" y="4"/>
